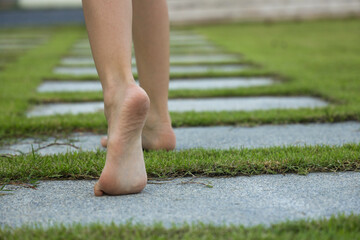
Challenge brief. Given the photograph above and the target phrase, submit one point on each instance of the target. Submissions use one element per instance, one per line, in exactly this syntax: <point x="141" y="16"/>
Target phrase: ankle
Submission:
<point x="114" y="92"/>
<point x="158" y="116"/>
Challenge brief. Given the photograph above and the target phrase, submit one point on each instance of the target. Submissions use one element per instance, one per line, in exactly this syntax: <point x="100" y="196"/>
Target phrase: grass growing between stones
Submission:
<point x="336" y="227"/>
<point x="320" y="55"/>
<point x="195" y="162"/>
<point x="324" y="64"/>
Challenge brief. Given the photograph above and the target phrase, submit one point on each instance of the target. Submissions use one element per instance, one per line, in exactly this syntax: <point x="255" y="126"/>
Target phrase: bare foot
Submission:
<point x="156" y="135"/>
<point x="124" y="171"/>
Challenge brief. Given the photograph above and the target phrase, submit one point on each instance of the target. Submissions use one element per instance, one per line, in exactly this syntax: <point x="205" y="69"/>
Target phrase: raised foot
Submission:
<point x="124" y="171"/>
<point x="156" y="135"/>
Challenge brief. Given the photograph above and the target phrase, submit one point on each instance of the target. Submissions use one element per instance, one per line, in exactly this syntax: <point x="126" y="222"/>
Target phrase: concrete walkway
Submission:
<point x="264" y="199"/>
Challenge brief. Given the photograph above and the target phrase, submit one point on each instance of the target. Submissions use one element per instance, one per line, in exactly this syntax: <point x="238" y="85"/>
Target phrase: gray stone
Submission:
<point x="21" y="36"/>
<point x="186" y="37"/>
<point x="190" y="69"/>
<point x="53" y="145"/>
<point x="70" y="86"/>
<point x="16" y="46"/>
<point x="173" y="50"/>
<point x="213" y="58"/>
<point x="201" y="83"/>
<point x="22" y="41"/>
<point x="219" y="137"/>
<point x="176" y="43"/>
<point x="264" y="199"/>
<point x="196" y="104"/>
<point x="174" y="59"/>
<point x="205" y="47"/>
<point x="174" y="37"/>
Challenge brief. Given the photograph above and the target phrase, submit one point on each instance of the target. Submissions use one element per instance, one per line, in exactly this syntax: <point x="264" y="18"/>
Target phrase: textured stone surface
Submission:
<point x="264" y="199"/>
<point x="16" y="46"/>
<point x="79" y="71"/>
<point x="212" y="138"/>
<point x="201" y="83"/>
<point x="173" y="50"/>
<point x="205" y="47"/>
<point x="173" y="43"/>
<point x="174" y="59"/>
<point x="196" y="104"/>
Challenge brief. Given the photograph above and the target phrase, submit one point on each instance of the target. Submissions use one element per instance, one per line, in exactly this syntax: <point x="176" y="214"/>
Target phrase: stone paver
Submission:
<point x="201" y="83"/>
<point x="174" y="43"/>
<point x="191" y="69"/>
<point x="217" y="137"/>
<point x="24" y="41"/>
<point x="178" y="46"/>
<point x="173" y="51"/>
<point x="195" y="104"/>
<point x="264" y="199"/>
<point x="174" y="59"/>
<point x="175" y="36"/>
<point x="7" y="46"/>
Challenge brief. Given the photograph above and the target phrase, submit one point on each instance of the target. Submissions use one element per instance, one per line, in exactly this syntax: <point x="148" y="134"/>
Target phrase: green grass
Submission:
<point x="320" y="55"/>
<point x="194" y="162"/>
<point x="337" y="227"/>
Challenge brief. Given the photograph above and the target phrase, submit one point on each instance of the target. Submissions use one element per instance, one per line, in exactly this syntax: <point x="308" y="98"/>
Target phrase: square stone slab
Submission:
<point x="263" y="199"/>
<point x="190" y="43"/>
<point x="200" y="83"/>
<point x="174" y="59"/>
<point x="22" y="41"/>
<point x="178" y="47"/>
<point x="173" y="50"/>
<point x="188" y="69"/>
<point x="15" y="46"/>
<point x="196" y="104"/>
<point x="215" y="137"/>
<point x="173" y="38"/>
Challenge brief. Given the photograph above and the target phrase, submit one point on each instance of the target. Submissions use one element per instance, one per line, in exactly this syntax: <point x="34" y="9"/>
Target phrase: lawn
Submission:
<point x="339" y="227"/>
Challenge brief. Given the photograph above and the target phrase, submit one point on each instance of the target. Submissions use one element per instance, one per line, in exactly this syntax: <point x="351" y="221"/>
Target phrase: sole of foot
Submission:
<point x="124" y="171"/>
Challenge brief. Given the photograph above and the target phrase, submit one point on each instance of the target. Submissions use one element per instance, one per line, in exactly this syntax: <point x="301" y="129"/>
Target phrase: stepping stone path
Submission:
<point x="11" y="45"/>
<point x="264" y="199"/>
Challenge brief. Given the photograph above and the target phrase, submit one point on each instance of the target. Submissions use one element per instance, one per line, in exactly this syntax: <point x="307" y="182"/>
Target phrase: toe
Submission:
<point x="97" y="190"/>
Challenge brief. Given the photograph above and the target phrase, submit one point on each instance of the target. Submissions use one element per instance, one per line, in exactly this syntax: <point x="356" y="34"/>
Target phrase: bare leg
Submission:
<point x="151" y="41"/>
<point x="126" y="104"/>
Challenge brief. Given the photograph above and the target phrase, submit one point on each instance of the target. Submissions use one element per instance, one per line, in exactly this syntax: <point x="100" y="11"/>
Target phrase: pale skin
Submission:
<point x="137" y="116"/>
